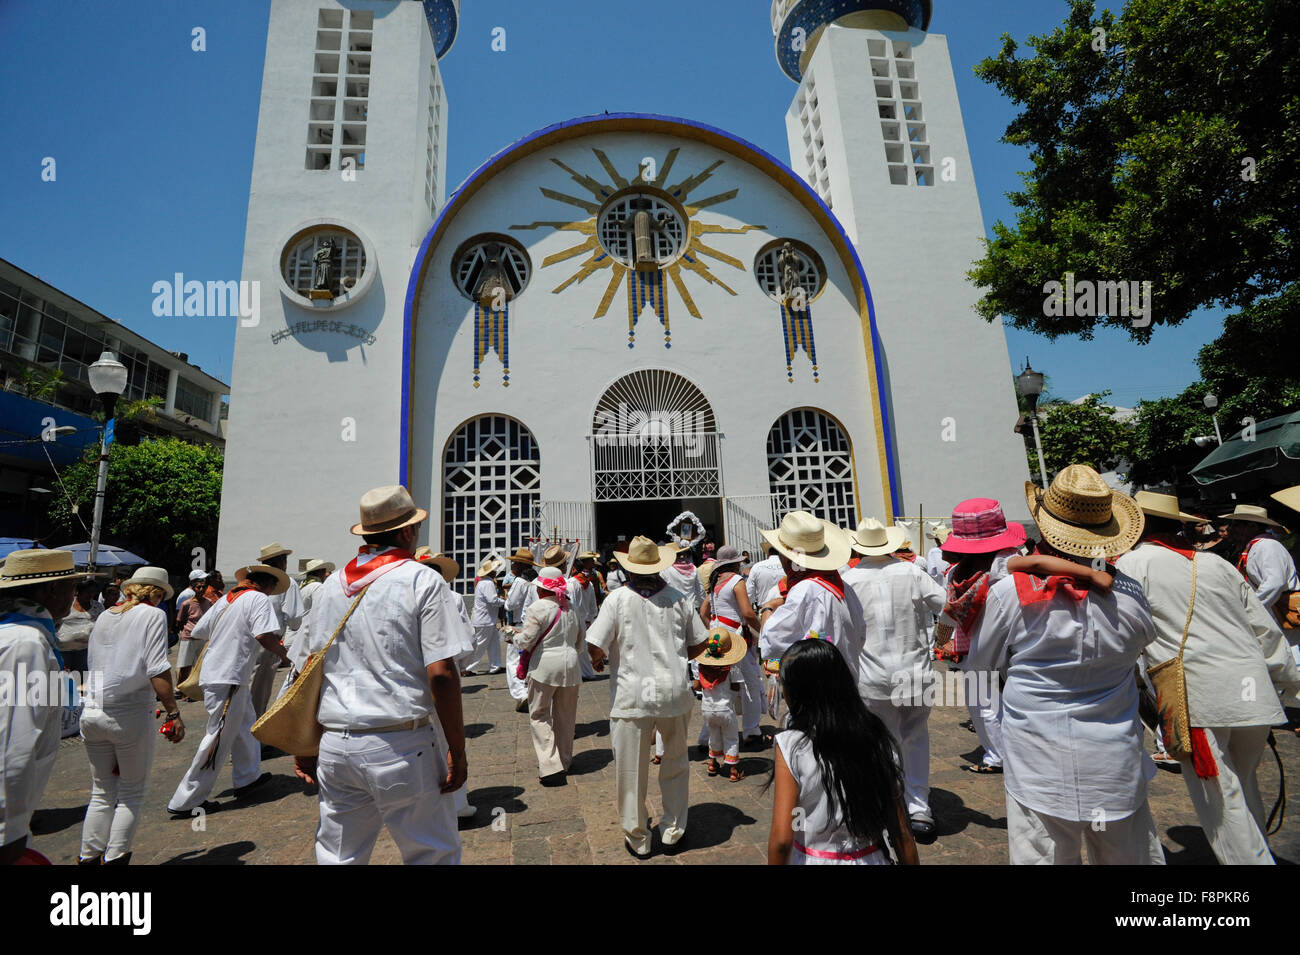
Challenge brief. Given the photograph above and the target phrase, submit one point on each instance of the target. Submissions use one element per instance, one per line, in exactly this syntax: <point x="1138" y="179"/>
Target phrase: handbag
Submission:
<point x="190" y="686"/>
<point x="290" y="723"/>
<point x="1170" y="682"/>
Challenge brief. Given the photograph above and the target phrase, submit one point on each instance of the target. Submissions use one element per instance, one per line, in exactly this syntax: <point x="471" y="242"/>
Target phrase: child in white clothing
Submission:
<point x="718" y="689"/>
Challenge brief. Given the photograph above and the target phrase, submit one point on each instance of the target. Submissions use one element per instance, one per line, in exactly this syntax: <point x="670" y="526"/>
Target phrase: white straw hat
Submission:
<point x="810" y="542"/>
<point x="644" y="556"/>
<point x="153" y="577"/>
<point x="874" y="539"/>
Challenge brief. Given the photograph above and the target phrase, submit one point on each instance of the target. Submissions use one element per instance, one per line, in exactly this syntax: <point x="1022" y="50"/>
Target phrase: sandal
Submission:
<point x="983" y="769"/>
<point x="656" y="760"/>
<point x="711" y="767"/>
<point x="737" y="774"/>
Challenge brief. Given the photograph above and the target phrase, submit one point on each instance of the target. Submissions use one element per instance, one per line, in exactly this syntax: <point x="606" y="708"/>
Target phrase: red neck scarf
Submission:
<point x="237" y="592"/>
<point x="1032" y="590"/>
<point x="1241" y="561"/>
<point x="369" y="565"/>
<point x="710" y="684"/>
<point x="966" y="598"/>
<point x="581" y="578"/>
<point x="907" y="555"/>
<point x="830" y="579"/>
<point x="1168" y="544"/>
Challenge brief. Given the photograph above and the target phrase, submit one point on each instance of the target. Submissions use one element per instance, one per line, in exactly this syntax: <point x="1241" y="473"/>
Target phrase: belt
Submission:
<point x="727" y="621"/>
<point x="838" y="856"/>
<point x="391" y="727"/>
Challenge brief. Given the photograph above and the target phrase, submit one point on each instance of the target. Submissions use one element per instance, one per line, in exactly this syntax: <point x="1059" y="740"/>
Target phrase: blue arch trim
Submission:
<point x="616" y="122"/>
<point x="811" y="15"/>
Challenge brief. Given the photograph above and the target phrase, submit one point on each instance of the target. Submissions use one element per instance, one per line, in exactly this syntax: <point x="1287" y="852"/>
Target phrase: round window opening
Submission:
<point x="325" y="265"/>
<point x="789" y="272"/>
<point x="642" y="230"/>
<point x="491" y="270"/>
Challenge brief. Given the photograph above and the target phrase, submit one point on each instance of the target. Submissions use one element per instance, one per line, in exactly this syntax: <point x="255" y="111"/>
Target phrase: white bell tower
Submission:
<point x="876" y="129"/>
<point x="348" y="175"/>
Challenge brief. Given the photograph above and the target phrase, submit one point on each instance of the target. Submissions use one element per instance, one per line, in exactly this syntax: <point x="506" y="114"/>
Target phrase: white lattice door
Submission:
<point x="810" y="467"/>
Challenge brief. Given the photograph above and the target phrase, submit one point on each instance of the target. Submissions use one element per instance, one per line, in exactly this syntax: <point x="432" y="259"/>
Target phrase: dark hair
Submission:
<point x="1163" y="525"/>
<point x="261" y="580"/>
<point x="858" y="758"/>
<point x="386" y="539"/>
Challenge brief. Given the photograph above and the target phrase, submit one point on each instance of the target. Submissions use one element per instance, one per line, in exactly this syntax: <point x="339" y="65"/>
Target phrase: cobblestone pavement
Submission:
<point x="519" y="821"/>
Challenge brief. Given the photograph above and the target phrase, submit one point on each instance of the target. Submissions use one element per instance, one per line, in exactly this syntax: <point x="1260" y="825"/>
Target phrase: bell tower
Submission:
<point x="875" y="127"/>
<point x="348" y="175"/>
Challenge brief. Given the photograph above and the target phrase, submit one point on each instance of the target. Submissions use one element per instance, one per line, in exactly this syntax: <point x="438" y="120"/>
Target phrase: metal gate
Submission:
<point x="565" y="521"/>
<point x="743" y="518"/>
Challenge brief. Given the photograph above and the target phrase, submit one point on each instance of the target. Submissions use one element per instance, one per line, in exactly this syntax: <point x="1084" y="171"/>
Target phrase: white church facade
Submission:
<point x="619" y="317"/>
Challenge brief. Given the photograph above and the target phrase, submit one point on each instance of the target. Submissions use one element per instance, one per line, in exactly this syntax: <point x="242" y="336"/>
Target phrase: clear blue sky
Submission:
<point x="154" y="142"/>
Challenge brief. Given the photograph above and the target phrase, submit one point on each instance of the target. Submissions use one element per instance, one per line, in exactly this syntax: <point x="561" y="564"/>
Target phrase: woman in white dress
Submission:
<point x="836" y="771"/>
<point x="128" y="656"/>
<point x="552" y="636"/>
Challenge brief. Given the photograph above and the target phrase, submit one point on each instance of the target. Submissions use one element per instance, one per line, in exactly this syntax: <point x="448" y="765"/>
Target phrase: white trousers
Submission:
<point x="487" y="640"/>
<point x="910" y="727"/>
<point x="118" y="742"/>
<point x="237" y="744"/>
<point x="751" y="693"/>
<point x="518" y="688"/>
<point x="375" y="780"/>
<point x="1039" y="839"/>
<point x="630" y="740"/>
<point x="187" y="654"/>
<point x="263" y="681"/>
<point x="585" y="666"/>
<point x="724" y="736"/>
<point x="552" y="716"/>
<point x="987" y="719"/>
<point x="1229" y="806"/>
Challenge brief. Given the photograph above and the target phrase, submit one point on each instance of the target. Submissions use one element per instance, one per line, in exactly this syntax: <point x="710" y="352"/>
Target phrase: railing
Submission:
<point x="745" y="517"/>
<point x="633" y="467"/>
<point x="566" y="521"/>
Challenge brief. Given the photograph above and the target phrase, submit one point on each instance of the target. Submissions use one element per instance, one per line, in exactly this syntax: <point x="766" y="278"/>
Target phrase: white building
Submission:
<point x="571" y="343"/>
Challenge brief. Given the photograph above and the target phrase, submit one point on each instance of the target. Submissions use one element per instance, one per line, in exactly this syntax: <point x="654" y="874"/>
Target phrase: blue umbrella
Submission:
<point x="10" y="544"/>
<point x="108" y="555"/>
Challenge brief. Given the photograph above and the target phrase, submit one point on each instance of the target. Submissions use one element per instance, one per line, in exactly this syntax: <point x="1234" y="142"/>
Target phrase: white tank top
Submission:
<point x="722" y="602"/>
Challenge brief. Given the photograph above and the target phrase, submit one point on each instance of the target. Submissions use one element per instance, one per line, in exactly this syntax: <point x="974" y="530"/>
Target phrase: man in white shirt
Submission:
<point x="197" y="577"/>
<point x="683" y="576"/>
<point x="816" y="605"/>
<point x="1238" y="674"/>
<point x="393" y="751"/>
<point x="935" y="565"/>
<point x="488" y="604"/>
<point x="314" y="573"/>
<point x="288" y="609"/>
<point x="648" y="631"/>
<point x="1263" y="561"/>
<point x="1075" y="766"/>
<point x="36" y="591"/>
<point x="234" y="626"/>
<point x="897" y="598"/>
<point x="583" y="591"/>
<point x="520" y="597"/>
<point x="763" y="576"/>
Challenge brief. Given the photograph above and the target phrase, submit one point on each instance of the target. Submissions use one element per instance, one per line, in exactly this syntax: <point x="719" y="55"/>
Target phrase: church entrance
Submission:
<point x="617" y="522"/>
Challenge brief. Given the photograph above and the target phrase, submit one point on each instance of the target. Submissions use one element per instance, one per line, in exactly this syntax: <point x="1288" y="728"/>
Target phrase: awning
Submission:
<point x="1271" y="460"/>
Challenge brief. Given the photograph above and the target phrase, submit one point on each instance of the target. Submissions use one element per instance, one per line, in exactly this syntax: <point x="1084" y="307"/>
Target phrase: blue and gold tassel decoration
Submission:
<point x="492" y="333"/>
<point x="646" y="288"/>
<point x="797" y="330"/>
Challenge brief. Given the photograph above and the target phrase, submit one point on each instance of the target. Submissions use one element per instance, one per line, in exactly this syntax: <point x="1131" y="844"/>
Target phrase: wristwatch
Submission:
<point x="174" y="716"/>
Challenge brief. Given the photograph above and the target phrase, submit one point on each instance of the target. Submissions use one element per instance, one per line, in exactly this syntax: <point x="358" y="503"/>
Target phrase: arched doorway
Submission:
<point x="654" y="447"/>
<point x="810" y="467"/>
<point x="491" y="483"/>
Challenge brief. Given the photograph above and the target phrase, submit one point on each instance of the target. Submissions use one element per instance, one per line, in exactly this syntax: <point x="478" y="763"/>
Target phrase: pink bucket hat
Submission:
<point x="980" y="527"/>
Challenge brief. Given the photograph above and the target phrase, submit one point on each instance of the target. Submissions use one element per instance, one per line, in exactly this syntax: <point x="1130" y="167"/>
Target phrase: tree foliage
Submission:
<point x="163" y="499"/>
<point x="1083" y="433"/>
<point x="1164" y="145"/>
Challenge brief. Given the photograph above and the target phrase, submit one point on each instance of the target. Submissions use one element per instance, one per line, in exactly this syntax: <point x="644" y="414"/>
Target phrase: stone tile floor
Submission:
<point x="521" y="822"/>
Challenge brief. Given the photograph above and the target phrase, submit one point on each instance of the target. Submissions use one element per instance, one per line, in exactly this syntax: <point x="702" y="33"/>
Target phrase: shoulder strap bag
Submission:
<point x="1170" y="682"/>
<point x="291" y="724"/>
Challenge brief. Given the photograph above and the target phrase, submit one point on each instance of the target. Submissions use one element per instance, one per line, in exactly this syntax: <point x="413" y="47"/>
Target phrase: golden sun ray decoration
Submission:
<point x="646" y="288"/>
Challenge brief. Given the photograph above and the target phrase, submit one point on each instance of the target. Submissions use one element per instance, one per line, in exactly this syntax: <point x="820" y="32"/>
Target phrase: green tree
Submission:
<point x="1083" y="433"/>
<point x="163" y="499"/>
<point x="1163" y="147"/>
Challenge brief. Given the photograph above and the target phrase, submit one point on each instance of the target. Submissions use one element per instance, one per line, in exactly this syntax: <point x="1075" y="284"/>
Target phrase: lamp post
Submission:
<point x="1030" y="385"/>
<point x="1211" y="402"/>
<point x="108" y="379"/>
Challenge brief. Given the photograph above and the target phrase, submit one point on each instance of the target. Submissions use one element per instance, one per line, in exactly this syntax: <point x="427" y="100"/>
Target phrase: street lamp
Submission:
<point x="108" y="380"/>
<point x="1211" y="402"/>
<point x="1030" y="385"/>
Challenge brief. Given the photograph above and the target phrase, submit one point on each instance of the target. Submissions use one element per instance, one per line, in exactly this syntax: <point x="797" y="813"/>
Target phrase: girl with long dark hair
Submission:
<point x="838" y="784"/>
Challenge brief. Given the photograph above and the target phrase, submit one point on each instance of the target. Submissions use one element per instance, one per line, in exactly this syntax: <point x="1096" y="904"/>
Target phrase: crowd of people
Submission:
<point x="1123" y="618"/>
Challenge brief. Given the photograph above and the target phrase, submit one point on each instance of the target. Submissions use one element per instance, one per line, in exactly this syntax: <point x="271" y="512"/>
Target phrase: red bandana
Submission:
<point x="907" y="555"/>
<point x="369" y="565"/>
<point x="239" y="591"/>
<point x="1032" y="590"/>
<point x="581" y="578"/>
<point x="829" y="579"/>
<point x="1186" y="552"/>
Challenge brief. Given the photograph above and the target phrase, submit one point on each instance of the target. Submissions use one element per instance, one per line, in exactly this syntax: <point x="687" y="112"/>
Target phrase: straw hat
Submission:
<point x="523" y="555"/>
<point x="281" y="578"/>
<point x="489" y="567"/>
<point x="550" y="578"/>
<point x="153" y="577"/>
<point x="554" y="556"/>
<point x="644" y="556"/>
<point x="25" y="567"/>
<point x="445" y="565"/>
<point x="1163" y="505"/>
<point x="874" y="539"/>
<point x="724" y="648"/>
<point x="588" y="555"/>
<point x="273" y="550"/>
<point x="1082" y="516"/>
<point x="316" y="564"/>
<point x="727" y="555"/>
<point x="387" y="509"/>
<point x="1290" y="497"/>
<point x="1250" y="512"/>
<point x="941" y="534"/>
<point x="810" y="542"/>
